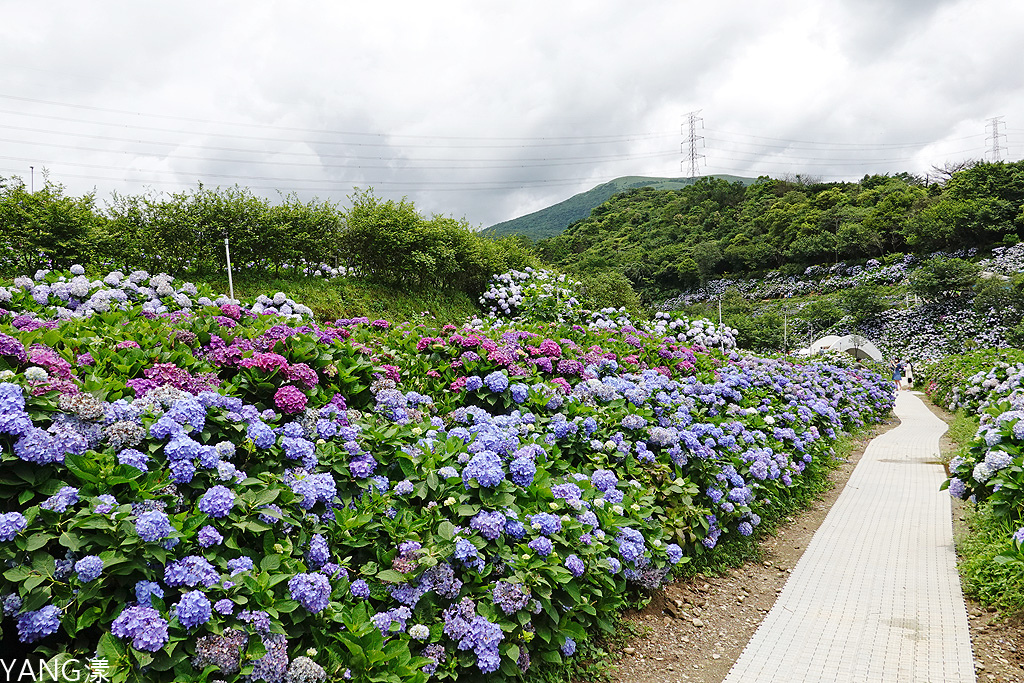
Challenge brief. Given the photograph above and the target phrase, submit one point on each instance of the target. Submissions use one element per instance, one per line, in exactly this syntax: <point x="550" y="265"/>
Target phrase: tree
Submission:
<point x="941" y="276"/>
<point x="864" y="301"/>
<point x="45" y="227"/>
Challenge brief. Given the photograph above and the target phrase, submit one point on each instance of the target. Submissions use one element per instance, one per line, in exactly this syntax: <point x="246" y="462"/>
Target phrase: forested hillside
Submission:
<point x="552" y="220"/>
<point x="667" y="239"/>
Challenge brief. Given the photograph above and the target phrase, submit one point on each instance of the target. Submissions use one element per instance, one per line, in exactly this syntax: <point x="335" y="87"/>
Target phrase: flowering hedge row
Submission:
<point x="217" y="491"/>
<point x="991" y="467"/>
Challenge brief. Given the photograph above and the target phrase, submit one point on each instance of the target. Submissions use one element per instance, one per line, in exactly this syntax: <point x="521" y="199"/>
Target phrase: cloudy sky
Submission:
<point x="487" y="111"/>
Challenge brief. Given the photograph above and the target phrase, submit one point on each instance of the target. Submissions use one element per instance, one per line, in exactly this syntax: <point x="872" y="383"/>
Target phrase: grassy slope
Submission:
<point x="344" y="298"/>
<point x="554" y="219"/>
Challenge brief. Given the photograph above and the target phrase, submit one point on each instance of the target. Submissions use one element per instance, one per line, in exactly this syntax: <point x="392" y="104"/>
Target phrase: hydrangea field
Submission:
<point x="199" y="490"/>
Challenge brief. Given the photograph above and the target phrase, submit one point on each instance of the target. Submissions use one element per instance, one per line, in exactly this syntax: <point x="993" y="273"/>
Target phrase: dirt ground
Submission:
<point x="694" y="631"/>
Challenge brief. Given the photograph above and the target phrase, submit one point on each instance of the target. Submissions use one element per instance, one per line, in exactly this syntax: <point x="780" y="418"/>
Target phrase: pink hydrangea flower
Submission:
<point x="290" y="399"/>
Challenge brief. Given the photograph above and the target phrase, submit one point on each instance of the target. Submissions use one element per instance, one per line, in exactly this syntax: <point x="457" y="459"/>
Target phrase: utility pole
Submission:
<point x="32" y="173"/>
<point x="690" y="130"/>
<point x="996" y="149"/>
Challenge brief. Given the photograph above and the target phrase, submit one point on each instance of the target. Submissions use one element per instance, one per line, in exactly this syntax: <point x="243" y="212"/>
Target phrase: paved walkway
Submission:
<point x="876" y="596"/>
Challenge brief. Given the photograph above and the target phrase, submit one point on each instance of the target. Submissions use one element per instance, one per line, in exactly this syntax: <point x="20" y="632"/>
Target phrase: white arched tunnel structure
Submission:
<point x="853" y="344"/>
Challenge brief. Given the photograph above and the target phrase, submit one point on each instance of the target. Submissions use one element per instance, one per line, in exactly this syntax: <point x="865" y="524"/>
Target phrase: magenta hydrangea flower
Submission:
<point x="290" y="400"/>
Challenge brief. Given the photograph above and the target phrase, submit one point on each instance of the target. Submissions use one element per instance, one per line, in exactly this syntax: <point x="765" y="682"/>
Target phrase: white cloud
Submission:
<point x="490" y="111"/>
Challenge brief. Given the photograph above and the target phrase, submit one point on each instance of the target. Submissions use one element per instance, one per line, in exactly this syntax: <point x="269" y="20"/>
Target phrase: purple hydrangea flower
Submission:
<point x="224" y="606"/>
<point x="489" y="524"/>
<point x="144" y="625"/>
<point x="318" y="553"/>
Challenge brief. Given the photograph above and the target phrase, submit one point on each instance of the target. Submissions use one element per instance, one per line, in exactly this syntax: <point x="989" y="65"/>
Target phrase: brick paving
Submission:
<point x="876" y="597"/>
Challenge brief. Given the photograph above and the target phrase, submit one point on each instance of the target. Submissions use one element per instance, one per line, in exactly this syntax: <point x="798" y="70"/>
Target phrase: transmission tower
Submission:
<point x="996" y="149"/>
<point x="690" y="130"/>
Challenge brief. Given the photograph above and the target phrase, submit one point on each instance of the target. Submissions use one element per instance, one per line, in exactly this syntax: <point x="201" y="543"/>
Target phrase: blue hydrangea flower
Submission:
<point x="360" y="589"/>
<point x="191" y="571"/>
<point x="36" y="625"/>
<point x="62" y="500"/>
<point x="208" y="536"/>
<point x="217" y="501"/>
<point x="542" y="546"/>
<point x="146" y="590"/>
<point x="674" y="553"/>
<point x="224" y="606"/>
<point x="575" y="565"/>
<point x="546" y="523"/>
<point x="152" y="526"/>
<point x="473" y="383"/>
<point x="89" y="568"/>
<point x="194" y="609"/>
<point x="134" y="458"/>
<point x="240" y="565"/>
<point x="497" y="382"/>
<point x="11" y="524"/>
<point x="312" y="591"/>
<point x="485" y="467"/>
<point x="520" y="392"/>
<point x="569" y="647"/>
<point x="604" y="480"/>
<point x="523" y="470"/>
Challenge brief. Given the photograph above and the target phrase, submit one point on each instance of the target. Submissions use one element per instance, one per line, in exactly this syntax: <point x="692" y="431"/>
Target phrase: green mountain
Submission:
<point x="554" y="219"/>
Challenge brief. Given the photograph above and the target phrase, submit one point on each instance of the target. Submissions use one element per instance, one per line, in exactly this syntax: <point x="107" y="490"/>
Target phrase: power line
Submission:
<point x="578" y="139"/>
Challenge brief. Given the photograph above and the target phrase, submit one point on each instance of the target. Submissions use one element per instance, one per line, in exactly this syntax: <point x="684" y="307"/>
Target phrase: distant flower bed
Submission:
<point x="225" y="491"/>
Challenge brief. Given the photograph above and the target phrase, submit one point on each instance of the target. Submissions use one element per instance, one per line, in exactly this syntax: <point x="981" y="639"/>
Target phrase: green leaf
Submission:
<point x="391" y="576"/>
<point x="37" y="541"/>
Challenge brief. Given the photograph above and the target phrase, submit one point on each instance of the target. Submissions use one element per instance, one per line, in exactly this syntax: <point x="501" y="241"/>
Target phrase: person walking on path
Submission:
<point x="897" y="373"/>
<point x="908" y="372"/>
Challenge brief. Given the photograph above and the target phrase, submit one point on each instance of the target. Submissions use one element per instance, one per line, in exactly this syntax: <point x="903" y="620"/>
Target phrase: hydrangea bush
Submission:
<point x="221" y="491"/>
<point x="991" y="467"/>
